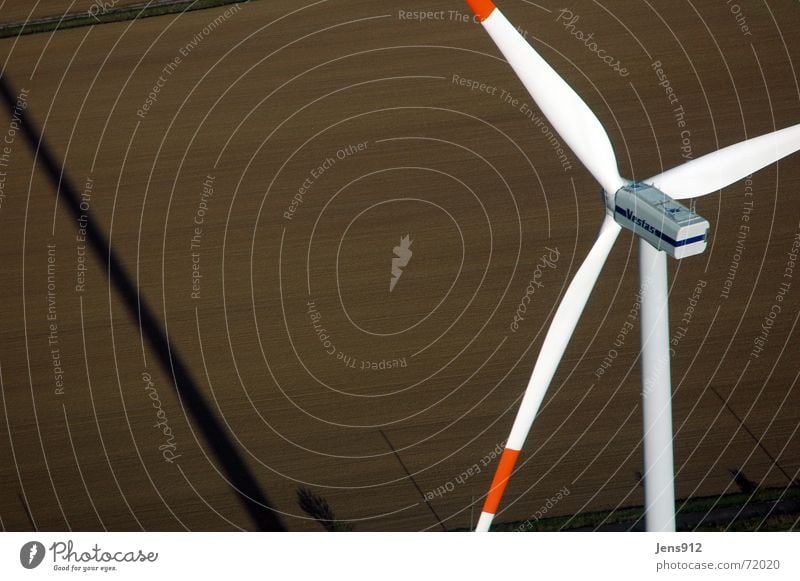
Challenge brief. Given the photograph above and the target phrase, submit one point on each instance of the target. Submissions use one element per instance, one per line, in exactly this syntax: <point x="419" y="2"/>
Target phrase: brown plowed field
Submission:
<point x="359" y="105"/>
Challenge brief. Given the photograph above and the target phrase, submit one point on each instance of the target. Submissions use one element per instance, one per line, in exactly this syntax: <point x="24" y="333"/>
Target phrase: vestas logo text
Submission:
<point x="641" y="222"/>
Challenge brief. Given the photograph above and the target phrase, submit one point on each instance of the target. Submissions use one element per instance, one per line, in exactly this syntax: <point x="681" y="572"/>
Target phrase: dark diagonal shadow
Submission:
<point x="252" y="497"/>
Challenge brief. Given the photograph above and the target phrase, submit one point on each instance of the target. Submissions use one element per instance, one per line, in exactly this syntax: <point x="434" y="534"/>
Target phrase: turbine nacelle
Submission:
<point x="663" y="222"/>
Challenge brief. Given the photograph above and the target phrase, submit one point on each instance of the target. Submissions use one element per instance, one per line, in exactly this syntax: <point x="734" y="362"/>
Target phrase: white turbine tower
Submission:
<point x="650" y="210"/>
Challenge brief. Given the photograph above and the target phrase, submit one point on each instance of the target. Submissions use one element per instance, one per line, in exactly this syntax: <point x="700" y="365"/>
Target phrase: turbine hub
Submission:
<point x="665" y="223"/>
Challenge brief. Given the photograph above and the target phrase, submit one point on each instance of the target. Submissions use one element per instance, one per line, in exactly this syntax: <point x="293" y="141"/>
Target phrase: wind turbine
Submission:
<point x="664" y="226"/>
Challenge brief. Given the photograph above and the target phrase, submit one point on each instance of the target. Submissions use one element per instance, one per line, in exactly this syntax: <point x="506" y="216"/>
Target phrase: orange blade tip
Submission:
<point x="504" y="469"/>
<point x="481" y="8"/>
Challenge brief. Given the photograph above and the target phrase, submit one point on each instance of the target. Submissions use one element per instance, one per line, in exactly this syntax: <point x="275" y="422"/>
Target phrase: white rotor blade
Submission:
<point x="553" y="347"/>
<point x="725" y="166"/>
<point x="568" y="113"/>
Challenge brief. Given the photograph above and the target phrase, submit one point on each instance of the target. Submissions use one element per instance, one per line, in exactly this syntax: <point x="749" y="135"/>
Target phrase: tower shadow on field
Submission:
<point x="238" y="474"/>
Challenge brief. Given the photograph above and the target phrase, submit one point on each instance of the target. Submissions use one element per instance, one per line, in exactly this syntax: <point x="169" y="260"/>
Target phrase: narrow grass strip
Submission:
<point x="692" y="505"/>
<point x="116" y="14"/>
